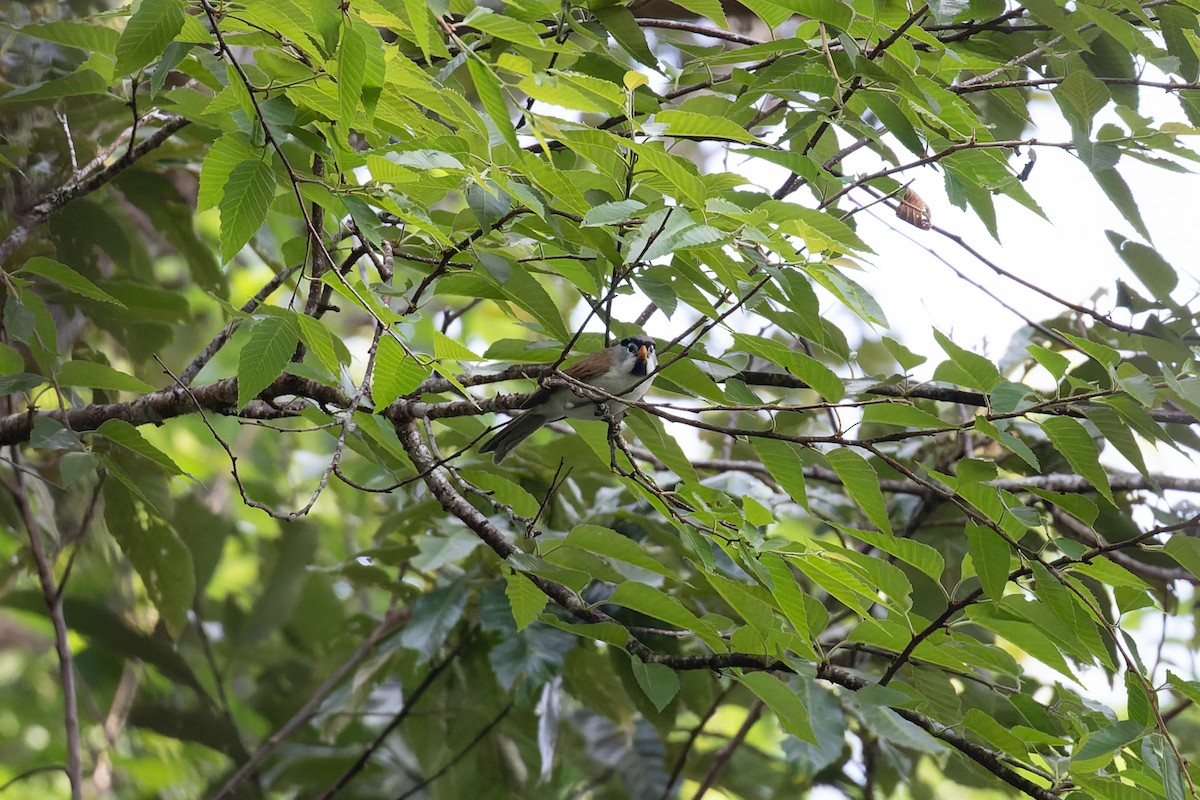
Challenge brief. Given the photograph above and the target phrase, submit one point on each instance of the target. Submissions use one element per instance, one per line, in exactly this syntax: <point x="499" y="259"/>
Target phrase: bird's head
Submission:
<point x="637" y="352"/>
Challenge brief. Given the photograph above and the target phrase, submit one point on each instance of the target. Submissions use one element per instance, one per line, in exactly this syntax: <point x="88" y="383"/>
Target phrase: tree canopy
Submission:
<point x="273" y="269"/>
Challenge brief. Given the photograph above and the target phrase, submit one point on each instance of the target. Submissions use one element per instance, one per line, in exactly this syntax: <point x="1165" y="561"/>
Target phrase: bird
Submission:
<point x="625" y="370"/>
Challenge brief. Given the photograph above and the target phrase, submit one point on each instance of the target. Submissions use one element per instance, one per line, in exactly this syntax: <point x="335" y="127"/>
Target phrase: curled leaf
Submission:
<point x="914" y="210"/>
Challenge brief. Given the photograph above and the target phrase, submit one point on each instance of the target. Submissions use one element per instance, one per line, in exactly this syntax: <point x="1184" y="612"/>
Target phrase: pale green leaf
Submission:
<point x="524" y="598"/>
<point x="124" y="434"/>
<point x="148" y="33"/>
<point x="244" y="204"/>
<point x="272" y="343"/>
<point x="1071" y="439"/>
<point x="99" y="376"/>
<point x="784" y="703"/>
<point x="67" y="278"/>
<point x="862" y="483"/>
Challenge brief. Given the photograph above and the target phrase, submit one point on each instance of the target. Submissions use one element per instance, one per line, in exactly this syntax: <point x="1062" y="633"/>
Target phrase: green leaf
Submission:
<point x="504" y="490"/>
<point x="902" y="415"/>
<point x="67" y="278"/>
<point x="434" y="615"/>
<point x="157" y="554"/>
<point x="1185" y="550"/>
<point x="833" y="12"/>
<point x="1151" y="268"/>
<point x="784" y="703"/>
<point x="692" y="125"/>
<point x="1008" y="440"/>
<point x="248" y="194"/>
<point x="649" y="429"/>
<point x="319" y="339"/>
<point x="351" y="68"/>
<point x="524" y="290"/>
<point x="75" y="33"/>
<point x="124" y="434"/>
<point x="785" y="591"/>
<point x="975" y="371"/>
<point x="658" y="681"/>
<point x="445" y="348"/>
<point x="1081" y="96"/>
<point x="1108" y="740"/>
<point x="1119" y="195"/>
<point x="487" y="85"/>
<point x="99" y="376"/>
<point x="502" y="27"/>
<point x="149" y="31"/>
<point x="84" y="81"/>
<point x="655" y="603"/>
<point x="990" y="554"/>
<point x="525" y="599"/>
<point x="610" y="544"/>
<point x="709" y="9"/>
<point x="783" y="462"/>
<point x="821" y="378"/>
<point x="1071" y="439"/>
<point x="622" y="26"/>
<point x="862" y="483"/>
<point x="224" y="155"/>
<point x="396" y="373"/>
<point x="610" y="213"/>
<point x="272" y="343"/>
<point x="918" y="554"/>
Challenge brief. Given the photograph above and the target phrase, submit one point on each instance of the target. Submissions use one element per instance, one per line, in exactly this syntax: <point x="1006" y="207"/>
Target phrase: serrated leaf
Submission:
<point x="821" y="378"/>
<point x="649" y="429"/>
<point x="244" y="204"/>
<point x="917" y="554"/>
<point x="491" y="95"/>
<point x="446" y="348"/>
<point x="658" y="681"/>
<point x="272" y="343"/>
<point x="1108" y="740"/>
<point x="157" y="554"/>
<point x="783" y="462"/>
<point x="525" y="290"/>
<point x="67" y="278"/>
<point x="503" y="490"/>
<point x="692" y="125"/>
<point x="1185" y="550"/>
<point x="225" y="154"/>
<point x="525" y="599"/>
<point x="862" y="483"/>
<point x="1071" y="439"/>
<point x="75" y="33"/>
<point x="611" y="213"/>
<point x="352" y="67"/>
<point x="1081" y="96"/>
<point x="784" y="703"/>
<point x="990" y="555"/>
<point x="656" y="603"/>
<point x="977" y="372"/>
<point x="902" y="415"/>
<point x="434" y="615"/>
<point x="148" y="33"/>
<point x="99" y="376"/>
<point x="610" y="544"/>
<point x="396" y="373"/>
<point x="1150" y="268"/>
<point x="124" y="434"/>
<point x="622" y="26"/>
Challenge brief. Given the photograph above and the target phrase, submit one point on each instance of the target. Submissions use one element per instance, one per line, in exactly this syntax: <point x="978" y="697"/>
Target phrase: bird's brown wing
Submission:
<point x="591" y="367"/>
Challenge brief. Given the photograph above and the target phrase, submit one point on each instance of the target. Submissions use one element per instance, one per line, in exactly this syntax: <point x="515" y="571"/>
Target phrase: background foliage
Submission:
<point x="264" y="260"/>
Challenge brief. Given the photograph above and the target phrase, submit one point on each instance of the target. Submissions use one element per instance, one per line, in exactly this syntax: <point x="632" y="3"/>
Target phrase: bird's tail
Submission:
<point x="513" y="434"/>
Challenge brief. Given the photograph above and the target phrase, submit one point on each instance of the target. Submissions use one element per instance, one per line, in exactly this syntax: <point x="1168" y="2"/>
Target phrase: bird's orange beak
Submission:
<point x="642" y="353"/>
